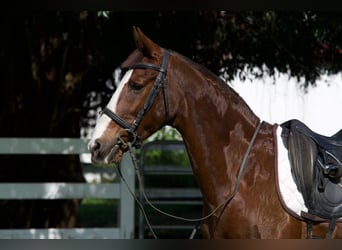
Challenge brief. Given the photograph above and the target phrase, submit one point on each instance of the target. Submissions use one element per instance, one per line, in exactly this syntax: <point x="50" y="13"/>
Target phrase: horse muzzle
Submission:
<point x="103" y="153"/>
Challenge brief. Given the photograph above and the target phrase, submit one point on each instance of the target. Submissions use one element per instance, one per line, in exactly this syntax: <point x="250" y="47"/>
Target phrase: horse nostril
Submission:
<point x="96" y="145"/>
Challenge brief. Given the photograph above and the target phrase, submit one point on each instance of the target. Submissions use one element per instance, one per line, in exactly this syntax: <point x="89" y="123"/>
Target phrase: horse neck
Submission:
<point x="216" y="125"/>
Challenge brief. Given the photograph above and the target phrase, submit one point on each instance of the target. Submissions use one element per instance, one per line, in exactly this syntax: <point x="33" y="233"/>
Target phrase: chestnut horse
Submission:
<point x="232" y="153"/>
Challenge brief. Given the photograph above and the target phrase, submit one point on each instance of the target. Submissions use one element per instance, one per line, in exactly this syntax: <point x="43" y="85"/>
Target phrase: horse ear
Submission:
<point x="146" y="45"/>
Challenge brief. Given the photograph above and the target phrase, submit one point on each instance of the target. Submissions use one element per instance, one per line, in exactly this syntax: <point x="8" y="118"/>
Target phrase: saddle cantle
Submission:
<point x="316" y="165"/>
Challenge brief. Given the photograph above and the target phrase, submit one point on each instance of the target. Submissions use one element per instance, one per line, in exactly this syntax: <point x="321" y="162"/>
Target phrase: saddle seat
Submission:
<point x="316" y="166"/>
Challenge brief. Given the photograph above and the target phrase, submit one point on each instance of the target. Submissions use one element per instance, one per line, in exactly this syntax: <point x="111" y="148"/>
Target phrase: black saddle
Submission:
<point x="316" y="163"/>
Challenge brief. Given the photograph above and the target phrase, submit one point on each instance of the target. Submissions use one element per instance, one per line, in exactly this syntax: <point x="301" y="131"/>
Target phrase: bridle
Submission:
<point x="159" y="83"/>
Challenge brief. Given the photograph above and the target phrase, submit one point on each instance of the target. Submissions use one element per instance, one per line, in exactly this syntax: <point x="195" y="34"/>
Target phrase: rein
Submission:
<point x="221" y="205"/>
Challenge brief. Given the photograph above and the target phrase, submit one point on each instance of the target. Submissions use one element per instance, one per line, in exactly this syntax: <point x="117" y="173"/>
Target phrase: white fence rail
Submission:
<point x="11" y="191"/>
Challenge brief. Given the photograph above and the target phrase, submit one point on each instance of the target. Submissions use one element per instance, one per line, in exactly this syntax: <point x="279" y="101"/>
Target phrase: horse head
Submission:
<point x="139" y="106"/>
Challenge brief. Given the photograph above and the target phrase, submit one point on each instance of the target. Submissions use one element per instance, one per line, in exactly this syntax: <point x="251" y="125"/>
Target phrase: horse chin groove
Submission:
<point x="113" y="158"/>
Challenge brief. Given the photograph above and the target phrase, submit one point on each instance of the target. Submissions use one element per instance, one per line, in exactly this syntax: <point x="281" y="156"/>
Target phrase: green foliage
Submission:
<point x="304" y="44"/>
<point x="178" y="158"/>
<point x="98" y="213"/>
<point x="166" y="133"/>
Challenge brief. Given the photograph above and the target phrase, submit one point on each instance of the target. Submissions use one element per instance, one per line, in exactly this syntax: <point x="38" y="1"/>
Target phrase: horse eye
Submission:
<point x="135" y="86"/>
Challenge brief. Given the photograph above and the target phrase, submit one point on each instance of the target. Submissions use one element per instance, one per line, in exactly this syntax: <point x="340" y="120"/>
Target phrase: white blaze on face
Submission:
<point x="103" y="122"/>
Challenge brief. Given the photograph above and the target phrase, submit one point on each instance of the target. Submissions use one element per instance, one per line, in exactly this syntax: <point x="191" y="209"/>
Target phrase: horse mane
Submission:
<point x="137" y="56"/>
<point x="247" y="112"/>
<point x="208" y="74"/>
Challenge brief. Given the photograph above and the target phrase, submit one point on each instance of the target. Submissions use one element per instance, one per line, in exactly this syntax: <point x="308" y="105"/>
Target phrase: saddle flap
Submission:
<point x="316" y="168"/>
<point x="302" y="162"/>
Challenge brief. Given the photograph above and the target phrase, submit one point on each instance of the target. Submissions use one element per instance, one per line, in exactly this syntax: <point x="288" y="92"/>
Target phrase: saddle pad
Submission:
<point x="292" y="199"/>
